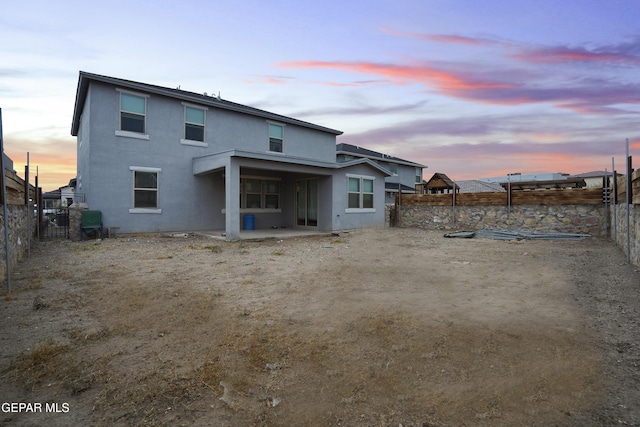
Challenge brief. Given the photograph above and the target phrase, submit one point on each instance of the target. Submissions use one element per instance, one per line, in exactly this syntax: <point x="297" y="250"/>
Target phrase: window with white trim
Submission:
<point x="259" y="193"/>
<point x="194" y="120"/>
<point x="393" y="168"/>
<point x="145" y="189"/>
<point x="360" y="192"/>
<point x="133" y="112"/>
<point x="418" y="175"/>
<point x="276" y="137"/>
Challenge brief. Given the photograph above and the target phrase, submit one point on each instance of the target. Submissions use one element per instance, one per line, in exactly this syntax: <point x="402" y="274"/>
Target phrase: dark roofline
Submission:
<point x="85" y="78"/>
<point x="54" y="194"/>
<point x="343" y="148"/>
<point x="393" y="187"/>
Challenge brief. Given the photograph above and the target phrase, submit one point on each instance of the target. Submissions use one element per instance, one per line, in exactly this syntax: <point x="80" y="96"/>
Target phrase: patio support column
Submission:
<point x="232" y="199"/>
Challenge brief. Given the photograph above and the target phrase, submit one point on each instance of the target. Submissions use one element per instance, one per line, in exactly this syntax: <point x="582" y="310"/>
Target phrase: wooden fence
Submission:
<point x="17" y="189"/>
<point x="621" y="188"/>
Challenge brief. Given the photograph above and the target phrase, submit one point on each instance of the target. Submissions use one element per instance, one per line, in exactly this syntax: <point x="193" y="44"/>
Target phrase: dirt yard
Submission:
<point x="394" y="327"/>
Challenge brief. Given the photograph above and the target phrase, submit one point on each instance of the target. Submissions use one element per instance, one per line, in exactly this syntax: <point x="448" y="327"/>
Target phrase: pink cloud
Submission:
<point x="273" y="81"/>
<point x="472" y="161"/>
<point x="585" y="96"/>
<point x="564" y="54"/>
<point x="336" y="84"/>
<point x="622" y="53"/>
<point x="54" y="159"/>
<point x="441" y="38"/>
<point x="403" y="74"/>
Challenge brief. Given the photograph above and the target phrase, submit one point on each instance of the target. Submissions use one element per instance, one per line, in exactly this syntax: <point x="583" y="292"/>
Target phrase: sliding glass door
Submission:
<point x="307" y="202"/>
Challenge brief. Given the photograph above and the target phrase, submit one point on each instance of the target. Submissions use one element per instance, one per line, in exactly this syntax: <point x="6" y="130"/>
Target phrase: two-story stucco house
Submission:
<point x="153" y="158"/>
<point x="403" y="174"/>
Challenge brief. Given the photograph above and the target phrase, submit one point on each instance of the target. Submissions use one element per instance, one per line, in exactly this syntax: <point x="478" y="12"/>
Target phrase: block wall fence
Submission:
<point x="580" y="211"/>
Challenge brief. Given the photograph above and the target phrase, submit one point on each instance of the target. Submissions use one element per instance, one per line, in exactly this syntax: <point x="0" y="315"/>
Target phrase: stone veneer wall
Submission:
<point x="18" y="237"/>
<point x="621" y="230"/>
<point x="543" y="218"/>
<point x="75" y="221"/>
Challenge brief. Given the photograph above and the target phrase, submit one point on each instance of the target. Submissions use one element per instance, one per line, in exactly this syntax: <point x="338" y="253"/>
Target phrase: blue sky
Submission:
<point x="469" y="88"/>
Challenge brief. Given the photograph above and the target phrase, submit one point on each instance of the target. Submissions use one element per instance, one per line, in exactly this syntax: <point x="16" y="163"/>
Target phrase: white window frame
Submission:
<point x="282" y="125"/>
<point x="361" y="192"/>
<point x="128" y="133"/>
<point x="263" y="193"/>
<point x="191" y="142"/>
<point x="418" y="175"/>
<point x="135" y="210"/>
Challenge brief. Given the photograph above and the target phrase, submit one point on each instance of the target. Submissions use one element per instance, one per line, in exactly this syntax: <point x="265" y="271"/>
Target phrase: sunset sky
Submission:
<point x="469" y="88"/>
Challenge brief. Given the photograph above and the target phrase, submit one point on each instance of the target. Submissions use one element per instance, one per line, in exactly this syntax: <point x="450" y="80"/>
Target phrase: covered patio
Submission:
<point x="295" y="209"/>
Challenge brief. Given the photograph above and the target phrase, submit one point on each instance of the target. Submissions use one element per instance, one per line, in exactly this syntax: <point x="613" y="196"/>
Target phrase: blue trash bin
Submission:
<point x="249" y="222"/>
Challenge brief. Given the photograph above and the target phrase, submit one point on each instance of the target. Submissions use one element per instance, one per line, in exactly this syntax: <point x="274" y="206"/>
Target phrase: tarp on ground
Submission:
<point x="517" y="235"/>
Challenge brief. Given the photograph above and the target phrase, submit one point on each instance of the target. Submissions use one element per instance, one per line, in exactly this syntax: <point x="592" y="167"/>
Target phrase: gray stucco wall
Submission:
<point x="187" y="202"/>
<point x="344" y="220"/>
<point x="406" y="175"/>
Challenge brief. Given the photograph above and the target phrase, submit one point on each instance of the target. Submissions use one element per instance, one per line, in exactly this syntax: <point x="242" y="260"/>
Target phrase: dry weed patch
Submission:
<point x="290" y="333"/>
<point x="42" y="362"/>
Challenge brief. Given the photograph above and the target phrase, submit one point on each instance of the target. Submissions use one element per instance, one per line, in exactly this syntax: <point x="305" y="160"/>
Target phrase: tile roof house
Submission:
<point x="404" y="174"/>
<point x="477" y="186"/>
<point x="153" y="158"/>
<point x="594" y="179"/>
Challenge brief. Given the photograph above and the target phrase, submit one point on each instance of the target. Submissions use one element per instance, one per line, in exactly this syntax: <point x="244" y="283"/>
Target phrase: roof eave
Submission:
<point x="367" y="161"/>
<point x="85" y="78"/>
<point x="386" y="159"/>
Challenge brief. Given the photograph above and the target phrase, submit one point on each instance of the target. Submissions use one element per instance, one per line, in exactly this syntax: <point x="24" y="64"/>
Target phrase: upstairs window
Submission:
<point x="133" y="111"/>
<point x="194" y="123"/>
<point x="393" y="168"/>
<point x="276" y="137"/>
<point x="418" y="175"/>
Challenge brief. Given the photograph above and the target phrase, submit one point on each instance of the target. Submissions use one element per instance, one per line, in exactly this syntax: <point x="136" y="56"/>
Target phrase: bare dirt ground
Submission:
<point x="394" y="327"/>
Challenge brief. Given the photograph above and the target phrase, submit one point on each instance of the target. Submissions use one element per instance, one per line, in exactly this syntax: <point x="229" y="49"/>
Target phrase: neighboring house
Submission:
<point x="477" y="186"/>
<point x="60" y="198"/>
<point x="51" y="200"/>
<point x="539" y="181"/>
<point x="593" y="179"/>
<point x="516" y="177"/>
<point x="403" y="174"/>
<point x="439" y="183"/>
<point x="544" y="184"/>
<point x="153" y="158"/>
